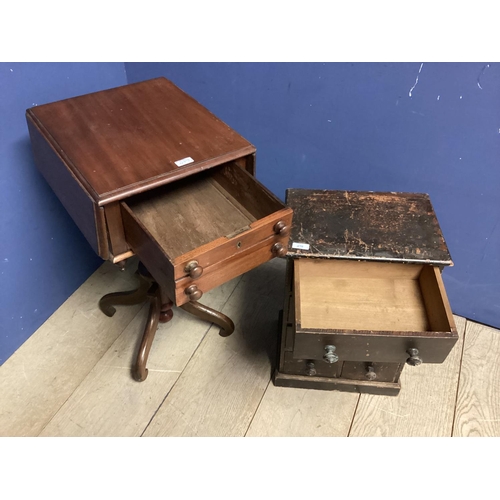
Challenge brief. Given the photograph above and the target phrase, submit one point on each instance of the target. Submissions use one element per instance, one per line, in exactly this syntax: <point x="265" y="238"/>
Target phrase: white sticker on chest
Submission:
<point x="300" y="246"/>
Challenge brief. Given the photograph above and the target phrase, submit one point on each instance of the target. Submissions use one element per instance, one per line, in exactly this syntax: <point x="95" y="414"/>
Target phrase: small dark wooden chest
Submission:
<point x="364" y="291"/>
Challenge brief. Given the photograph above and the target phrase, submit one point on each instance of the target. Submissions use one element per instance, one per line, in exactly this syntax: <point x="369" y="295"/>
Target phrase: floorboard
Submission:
<point x="478" y="402"/>
<point x="109" y="402"/>
<point x="424" y="407"/>
<point x="221" y="388"/>
<point x="43" y="373"/>
<point x="72" y="377"/>
<point x="290" y="412"/>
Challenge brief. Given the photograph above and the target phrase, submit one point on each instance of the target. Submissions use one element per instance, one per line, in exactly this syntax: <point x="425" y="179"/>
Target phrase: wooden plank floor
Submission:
<point x="72" y="377"/>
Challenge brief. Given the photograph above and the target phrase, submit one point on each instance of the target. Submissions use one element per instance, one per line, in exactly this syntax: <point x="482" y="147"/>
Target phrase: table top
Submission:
<point x="365" y="225"/>
<point x="128" y="139"/>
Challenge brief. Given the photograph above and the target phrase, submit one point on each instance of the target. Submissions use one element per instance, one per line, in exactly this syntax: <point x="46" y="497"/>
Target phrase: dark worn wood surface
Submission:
<point x="336" y="384"/>
<point x="385" y="372"/>
<point x="126" y="140"/>
<point x="187" y="214"/>
<point x="301" y="366"/>
<point x="390" y="347"/>
<point x="364" y="225"/>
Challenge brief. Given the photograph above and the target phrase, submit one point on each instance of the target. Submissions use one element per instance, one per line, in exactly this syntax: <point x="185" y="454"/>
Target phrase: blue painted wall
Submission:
<point x="356" y="126"/>
<point x="43" y="256"/>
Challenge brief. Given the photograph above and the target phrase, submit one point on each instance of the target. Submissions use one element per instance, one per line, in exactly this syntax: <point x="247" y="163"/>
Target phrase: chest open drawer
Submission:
<point x="202" y="231"/>
<point x="371" y="311"/>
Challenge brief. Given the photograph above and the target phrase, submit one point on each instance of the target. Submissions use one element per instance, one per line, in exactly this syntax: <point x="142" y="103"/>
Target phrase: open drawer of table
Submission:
<point x="370" y="311"/>
<point x="201" y="231"/>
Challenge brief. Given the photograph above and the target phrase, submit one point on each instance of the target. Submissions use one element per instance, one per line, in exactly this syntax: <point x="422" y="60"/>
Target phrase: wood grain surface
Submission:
<point x="221" y="388"/>
<point x="51" y="364"/>
<point x="436" y="300"/>
<point x="69" y="190"/>
<point x="334" y="299"/>
<point x="371" y="311"/>
<point x="72" y="377"/>
<point x="125" y="140"/>
<point x="117" y="241"/>
<point x="425" y="406"/>
<point x="286" y="411"/>
<point x="78" y="361"/>
<point x="109" y="402"/>
<point x="478" y="402"/>
<point x="188" y="214"/>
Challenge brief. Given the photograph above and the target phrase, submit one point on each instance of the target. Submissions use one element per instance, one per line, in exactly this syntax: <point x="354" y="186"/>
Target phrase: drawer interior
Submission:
<point x="197" y="210"/>
<point x="339" y="295"/>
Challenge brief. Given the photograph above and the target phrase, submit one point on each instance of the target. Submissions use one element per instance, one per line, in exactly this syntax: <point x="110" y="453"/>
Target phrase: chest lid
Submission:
<point x="365" y="225"/>
<point x="129" y="139"/>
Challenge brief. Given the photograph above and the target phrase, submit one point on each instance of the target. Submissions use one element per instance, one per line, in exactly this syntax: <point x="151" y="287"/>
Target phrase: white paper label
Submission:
<point x="184" y="161"/>
<point x="300" y="246"/>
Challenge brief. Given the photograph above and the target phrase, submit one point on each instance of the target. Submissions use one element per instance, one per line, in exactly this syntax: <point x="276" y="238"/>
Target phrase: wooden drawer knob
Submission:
<point x="194" y="293"/>
<point x="310" y="369"/>
<point x="278" y="250"/>
<point x="414" y="359"/>
<point x="330" y="356"/>
<point x="280" y="228"/>
<point x="370" y="373"/>
<point x="193" y="269"/>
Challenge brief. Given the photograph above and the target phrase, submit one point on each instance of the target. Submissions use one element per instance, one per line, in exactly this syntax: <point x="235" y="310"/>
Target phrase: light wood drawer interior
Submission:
<point x="374" y="311"/>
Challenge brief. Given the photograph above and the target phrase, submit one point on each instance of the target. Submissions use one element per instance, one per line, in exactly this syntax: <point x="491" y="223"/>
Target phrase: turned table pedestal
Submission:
<point x="160" y="311"/>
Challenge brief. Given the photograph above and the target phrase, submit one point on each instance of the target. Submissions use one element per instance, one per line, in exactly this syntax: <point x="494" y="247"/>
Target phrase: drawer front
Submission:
<point x="308" y="367"/>
<point x="239" y="243"/>
<point x="380" y="372"/>
<point x="226" y="269"/>
<point x="390" y="348"/>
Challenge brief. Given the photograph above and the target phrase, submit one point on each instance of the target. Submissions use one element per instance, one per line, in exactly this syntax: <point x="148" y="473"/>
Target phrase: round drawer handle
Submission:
<point x="414" y="359"/>
<point x="193" y="269"/>
<point x="311" y="369"/>
<point x="330" y="356"/>
<point x="194" y="293"/>
<point x="278" y="250"/>
<point x="370" y="373"/>
<point x="280" y="228"/>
